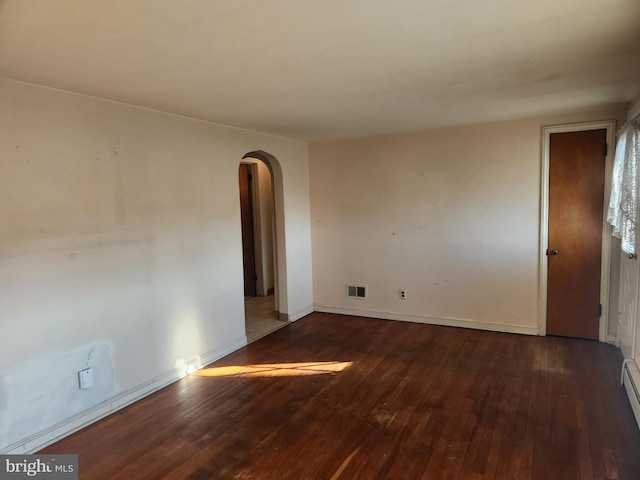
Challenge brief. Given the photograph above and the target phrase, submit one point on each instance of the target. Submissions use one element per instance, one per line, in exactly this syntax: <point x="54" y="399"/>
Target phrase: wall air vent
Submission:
<point x="355" y="291"/>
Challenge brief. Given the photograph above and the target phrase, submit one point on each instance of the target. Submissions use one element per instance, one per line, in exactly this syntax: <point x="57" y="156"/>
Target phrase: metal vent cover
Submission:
<point x="357" y="291"/>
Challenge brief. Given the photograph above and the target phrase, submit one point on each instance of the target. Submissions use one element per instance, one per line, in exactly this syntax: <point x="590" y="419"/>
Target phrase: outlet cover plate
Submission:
<point x="85" y="378"/>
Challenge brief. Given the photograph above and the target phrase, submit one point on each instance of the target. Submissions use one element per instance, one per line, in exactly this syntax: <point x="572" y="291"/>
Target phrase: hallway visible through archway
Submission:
<point x="259" y="245"/>
<point x="260" y="317"/>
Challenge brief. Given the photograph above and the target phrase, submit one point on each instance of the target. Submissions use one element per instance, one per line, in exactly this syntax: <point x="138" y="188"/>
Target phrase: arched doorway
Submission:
<point x="260" y="244"/>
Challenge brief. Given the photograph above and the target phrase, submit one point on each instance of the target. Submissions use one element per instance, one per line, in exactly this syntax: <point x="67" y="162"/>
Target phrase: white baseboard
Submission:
<point x="301" y="313"/>
<point x="46" y="437"/>
<point x="449" y="322"/>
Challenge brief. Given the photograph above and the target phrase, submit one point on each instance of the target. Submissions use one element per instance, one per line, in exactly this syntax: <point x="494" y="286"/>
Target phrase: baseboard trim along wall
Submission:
<point x="301" y="313"/>
<point x="442" y="321"/>
<point x="85" y="418"/>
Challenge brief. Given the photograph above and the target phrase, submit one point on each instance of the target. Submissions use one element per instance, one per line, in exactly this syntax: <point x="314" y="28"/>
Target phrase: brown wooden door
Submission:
<point x="576" y="196"/>
<point x="246" y="216"/>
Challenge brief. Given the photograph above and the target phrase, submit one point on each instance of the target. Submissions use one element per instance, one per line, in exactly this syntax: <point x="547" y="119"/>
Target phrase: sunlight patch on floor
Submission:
<point x="276" y="369"/>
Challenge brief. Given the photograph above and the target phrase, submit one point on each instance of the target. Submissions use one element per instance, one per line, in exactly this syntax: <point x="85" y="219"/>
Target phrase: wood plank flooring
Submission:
<point x="338" y="397"/>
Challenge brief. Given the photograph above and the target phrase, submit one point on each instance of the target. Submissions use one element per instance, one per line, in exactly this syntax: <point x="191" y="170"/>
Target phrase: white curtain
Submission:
<point x="623" y="204"/>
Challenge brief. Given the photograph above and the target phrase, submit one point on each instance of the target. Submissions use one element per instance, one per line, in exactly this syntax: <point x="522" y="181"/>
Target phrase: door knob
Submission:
<point x="554" y="252"/>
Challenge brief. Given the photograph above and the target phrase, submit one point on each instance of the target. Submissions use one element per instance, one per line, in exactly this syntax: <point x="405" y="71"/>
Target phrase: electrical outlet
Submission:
<point x="85" y="378"/>
<point x="403" y="294"/>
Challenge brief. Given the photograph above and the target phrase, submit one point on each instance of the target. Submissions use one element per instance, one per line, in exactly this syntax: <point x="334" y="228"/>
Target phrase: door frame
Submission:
<point x="605" y="262"/>
<point x="252" y="209"/>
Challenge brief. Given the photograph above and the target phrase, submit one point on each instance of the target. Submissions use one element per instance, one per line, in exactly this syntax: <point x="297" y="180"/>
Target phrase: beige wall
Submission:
<point x="120" y="249"/>
<point x="266" y="225"/>
<point x="450" y="215"/>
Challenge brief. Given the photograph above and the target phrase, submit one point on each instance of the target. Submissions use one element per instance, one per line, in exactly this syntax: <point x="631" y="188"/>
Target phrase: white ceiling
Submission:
<point x="319" y="69"/>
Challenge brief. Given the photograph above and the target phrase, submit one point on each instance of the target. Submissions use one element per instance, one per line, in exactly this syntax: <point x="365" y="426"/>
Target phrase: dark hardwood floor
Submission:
<point x="337" y="397"/>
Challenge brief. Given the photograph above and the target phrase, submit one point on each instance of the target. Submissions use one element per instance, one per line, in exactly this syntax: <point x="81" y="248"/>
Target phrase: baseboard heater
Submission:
<point x="631" y="382"/>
